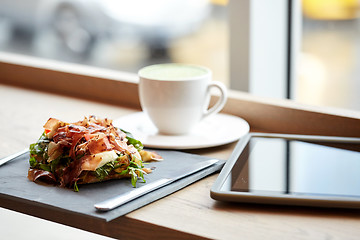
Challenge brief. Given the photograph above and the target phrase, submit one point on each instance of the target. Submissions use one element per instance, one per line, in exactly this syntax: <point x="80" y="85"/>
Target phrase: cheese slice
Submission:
<point x="94" y="161"/>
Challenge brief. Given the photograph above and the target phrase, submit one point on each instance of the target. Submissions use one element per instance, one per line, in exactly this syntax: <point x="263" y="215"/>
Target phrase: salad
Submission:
<point x="87" y="151"/>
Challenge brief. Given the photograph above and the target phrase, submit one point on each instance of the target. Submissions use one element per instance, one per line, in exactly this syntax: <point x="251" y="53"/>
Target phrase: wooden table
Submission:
<point x="189" y="213"/>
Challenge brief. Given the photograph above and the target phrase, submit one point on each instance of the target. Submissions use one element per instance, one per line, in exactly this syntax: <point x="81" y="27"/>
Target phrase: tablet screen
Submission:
<point x="279" y="166"/>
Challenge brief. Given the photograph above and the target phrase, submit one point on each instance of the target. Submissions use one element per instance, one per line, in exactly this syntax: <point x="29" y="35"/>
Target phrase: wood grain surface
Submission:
<point x="188" y="213"/>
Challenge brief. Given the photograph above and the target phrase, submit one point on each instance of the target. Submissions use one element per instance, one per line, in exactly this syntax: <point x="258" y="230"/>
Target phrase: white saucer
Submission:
<point x="215" y="130"/>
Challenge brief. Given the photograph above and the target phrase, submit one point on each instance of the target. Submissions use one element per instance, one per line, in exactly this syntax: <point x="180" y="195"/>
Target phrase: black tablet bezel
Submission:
<point x="278" y="198"/>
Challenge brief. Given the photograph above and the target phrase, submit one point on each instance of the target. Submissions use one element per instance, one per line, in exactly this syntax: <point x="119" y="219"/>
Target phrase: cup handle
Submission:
<point x="220" y="103"/>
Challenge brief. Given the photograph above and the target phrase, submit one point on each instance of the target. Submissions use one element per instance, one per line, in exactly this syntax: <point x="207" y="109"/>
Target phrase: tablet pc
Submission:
<point x="292" y="170"/>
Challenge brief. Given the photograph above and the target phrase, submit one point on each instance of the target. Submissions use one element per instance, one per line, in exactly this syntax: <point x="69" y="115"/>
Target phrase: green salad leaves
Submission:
<point x="131" y="140"/>
<point x="67" y="159"/>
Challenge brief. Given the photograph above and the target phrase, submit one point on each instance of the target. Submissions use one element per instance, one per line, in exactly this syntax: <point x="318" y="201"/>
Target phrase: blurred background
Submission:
<point x="329" y="65"/>
<point x="120" y="35"/>
<point x="117" y="34"/>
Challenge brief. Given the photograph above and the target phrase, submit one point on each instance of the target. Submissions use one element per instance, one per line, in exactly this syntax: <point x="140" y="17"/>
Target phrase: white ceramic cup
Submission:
<point x="176" y="96"/>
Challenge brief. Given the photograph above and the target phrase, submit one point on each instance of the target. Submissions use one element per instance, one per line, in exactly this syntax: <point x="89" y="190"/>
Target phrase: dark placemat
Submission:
<point x="14" y="184"/>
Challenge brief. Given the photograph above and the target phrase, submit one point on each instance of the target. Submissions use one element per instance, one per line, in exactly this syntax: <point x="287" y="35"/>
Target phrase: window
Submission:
<point x="121" y="35"/>
<point x="306" y="50"/>
<point x="329" y="61"/>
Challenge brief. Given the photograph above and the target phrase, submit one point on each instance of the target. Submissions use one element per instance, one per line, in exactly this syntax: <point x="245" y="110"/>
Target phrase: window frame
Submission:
<point x="254" y="66"/>
<point x="70" y="79"/>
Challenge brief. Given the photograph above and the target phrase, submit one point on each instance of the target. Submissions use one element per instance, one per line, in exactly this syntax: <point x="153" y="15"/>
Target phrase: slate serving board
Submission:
<point x="14" y="184"/>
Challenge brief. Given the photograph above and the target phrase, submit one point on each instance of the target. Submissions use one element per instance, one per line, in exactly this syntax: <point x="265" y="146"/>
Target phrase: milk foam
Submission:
<point x="172" y="72"/>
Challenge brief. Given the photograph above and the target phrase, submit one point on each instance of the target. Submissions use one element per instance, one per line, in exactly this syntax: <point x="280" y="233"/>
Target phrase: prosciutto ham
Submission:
<point x="90" y="150"/>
